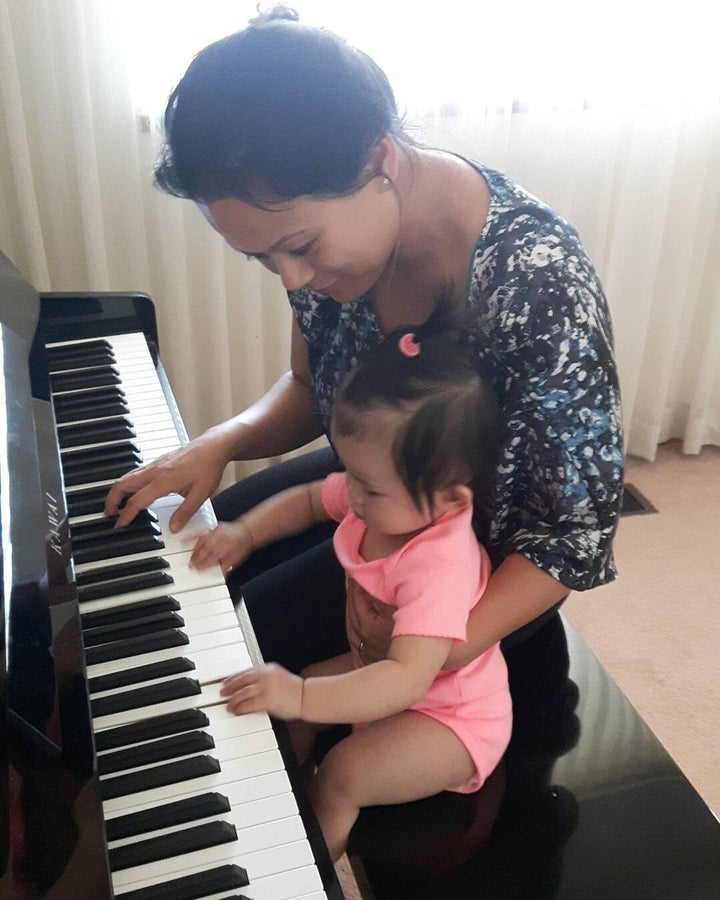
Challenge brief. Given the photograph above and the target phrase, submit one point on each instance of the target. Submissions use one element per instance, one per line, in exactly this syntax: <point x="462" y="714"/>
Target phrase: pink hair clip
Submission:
<point x="408" y="345"/>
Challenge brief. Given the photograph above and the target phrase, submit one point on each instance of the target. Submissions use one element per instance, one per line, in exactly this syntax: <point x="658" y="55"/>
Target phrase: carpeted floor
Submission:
<point x="657" y="628"/>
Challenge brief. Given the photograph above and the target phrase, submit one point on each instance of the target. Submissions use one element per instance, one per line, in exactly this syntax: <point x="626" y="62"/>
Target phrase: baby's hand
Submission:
<point x="268" y="688"/>
<point x="227" y="546"/>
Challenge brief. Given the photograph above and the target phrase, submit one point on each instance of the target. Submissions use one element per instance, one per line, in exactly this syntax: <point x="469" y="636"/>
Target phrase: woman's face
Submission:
<point x="338" y="246"/>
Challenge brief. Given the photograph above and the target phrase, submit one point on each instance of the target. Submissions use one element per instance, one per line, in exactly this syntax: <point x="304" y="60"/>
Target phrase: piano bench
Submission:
<point x="585" y="805"/>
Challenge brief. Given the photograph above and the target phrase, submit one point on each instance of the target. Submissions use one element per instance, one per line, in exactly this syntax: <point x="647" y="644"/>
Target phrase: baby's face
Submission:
<point x="377" y="494"/>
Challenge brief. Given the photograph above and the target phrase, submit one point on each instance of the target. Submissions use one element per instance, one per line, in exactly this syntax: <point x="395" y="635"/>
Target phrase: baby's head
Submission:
<point x="419" y="394"/>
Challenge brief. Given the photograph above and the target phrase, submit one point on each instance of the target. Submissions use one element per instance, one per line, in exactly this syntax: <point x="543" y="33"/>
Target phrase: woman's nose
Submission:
<point x="294" y="272"/>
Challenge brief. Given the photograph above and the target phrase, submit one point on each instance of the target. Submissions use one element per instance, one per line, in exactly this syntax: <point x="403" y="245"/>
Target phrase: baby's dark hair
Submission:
<point x="276" y="111"/>
<point x="449" y="419"/>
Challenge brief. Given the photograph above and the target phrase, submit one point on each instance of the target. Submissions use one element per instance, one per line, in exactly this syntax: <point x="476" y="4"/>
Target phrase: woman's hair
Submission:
<point x="276" y="111"/>
<point x="447" y="415"/>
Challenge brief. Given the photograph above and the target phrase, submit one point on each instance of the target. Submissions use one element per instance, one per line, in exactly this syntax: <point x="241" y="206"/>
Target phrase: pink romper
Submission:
<point x="433" y="582"/>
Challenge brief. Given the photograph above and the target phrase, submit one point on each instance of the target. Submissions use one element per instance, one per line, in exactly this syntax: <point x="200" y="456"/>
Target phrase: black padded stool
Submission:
<point x="585" y="805"/>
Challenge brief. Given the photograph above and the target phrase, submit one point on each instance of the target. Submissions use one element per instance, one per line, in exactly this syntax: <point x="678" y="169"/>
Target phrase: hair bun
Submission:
<point x="277" y="13"/>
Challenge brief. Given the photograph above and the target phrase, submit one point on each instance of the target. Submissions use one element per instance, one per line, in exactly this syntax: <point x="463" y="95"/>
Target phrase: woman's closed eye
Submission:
<point x="302" y="251"/>
<point x="263" y="257"/>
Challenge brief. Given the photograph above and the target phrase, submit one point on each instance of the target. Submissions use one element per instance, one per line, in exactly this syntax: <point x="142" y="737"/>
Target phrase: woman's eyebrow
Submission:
<point x="276" y="246"/>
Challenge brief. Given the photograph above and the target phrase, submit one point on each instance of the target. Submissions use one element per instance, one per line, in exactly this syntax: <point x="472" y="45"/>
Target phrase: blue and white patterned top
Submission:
<point x="542" y="336"/>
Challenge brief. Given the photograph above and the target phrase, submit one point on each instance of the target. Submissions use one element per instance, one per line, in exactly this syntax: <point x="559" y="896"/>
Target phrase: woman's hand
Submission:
<point x="194" y="471"/>
<point x="226" y="546"/>
<point x="268" y="688"/>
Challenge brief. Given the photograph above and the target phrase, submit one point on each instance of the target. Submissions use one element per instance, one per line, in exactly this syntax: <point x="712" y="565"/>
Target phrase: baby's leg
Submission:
<point x="303" y="734"/>
<point x="395" y="760"/>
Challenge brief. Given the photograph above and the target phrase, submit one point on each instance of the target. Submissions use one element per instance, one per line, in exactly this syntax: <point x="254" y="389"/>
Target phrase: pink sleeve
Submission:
<point x="334" y="496"/>
<point x="437" y="583"/>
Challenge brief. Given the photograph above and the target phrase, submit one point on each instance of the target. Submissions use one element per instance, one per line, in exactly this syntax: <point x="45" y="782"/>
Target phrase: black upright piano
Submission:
<point x="122" y="775"/>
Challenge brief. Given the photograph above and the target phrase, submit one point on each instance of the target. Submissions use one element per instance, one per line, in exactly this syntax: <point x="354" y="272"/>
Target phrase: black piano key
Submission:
<point x="81" y="361"/>
<point x="145" y="696"/>
<point x="122" y="578"/>
<point x="102" y="473"/>
<point x="158" y="776"/>
<point x="117" y="429"/>
<point x="119" y="570"/>
<point x="106" y="525"/>
<point x="98" y="410"/>
<point x="157" y="751"/>
<point x="94" y="345"/>
<point x="137" y="674"/>
<point x="98" y="531"/>
<point x="165" y="846"/>
<point x="123" y="546"/>
<point x="126" y="585"/>
<point x="152" y="727"/>
<point x="129" y="611"/>
<point x="82" y="379"/>
<point x="81" y="401"/>
<point x="117" y="631"/>
<point x="191" y="809"/>
<point x="89" y="456"/>
<point x="192" y="887"/>
<point x="136" y="646"/>
<point x="86" y="501"/>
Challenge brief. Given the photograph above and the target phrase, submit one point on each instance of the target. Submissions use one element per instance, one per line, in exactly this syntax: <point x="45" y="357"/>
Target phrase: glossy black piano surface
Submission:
<point x="53" y="834"/>
<point x="586" y="805"/>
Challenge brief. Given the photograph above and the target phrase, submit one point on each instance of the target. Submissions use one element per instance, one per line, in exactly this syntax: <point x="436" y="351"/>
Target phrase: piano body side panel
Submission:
<point x="55" y="844"/>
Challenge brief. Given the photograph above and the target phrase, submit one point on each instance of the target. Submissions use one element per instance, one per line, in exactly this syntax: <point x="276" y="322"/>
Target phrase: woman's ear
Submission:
<point x="453" y="498"/>
<point x="384" y="159"/>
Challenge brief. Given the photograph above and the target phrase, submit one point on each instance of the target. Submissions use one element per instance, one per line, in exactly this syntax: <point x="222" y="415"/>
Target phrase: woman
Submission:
<point x="289" y="140"/>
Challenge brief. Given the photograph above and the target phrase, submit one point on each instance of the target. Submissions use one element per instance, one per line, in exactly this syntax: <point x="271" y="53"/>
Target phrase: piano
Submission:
<point x="121" y="772"/>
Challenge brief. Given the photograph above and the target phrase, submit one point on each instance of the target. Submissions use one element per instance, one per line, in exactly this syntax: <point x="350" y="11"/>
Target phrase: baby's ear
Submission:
<point x="453" y="498"/>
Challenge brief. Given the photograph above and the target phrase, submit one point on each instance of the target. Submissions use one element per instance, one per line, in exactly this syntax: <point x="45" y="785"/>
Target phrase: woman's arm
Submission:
<point x="363" y="695"/>
<point x="517" y="593"/>
<point x="282" y="515"/>
<point x="282" y="420"/>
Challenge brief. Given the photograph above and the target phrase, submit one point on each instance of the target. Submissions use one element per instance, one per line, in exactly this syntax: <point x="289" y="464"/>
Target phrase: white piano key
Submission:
<point x="222" y="725"/>
<point x="184" y="578"/>
<point x="250" y="744"/>
<point x="210" y="665"/>
<point x="244" y="815"/>
<point x="179" y="541"/>
<point x="246" y="791"/>
<point x="252" y="839"/>
<point x="259" y="864"/>
<point x="209" y="694"/>
<point x="211" y="654"/>
<point x="201" y="618"/>
<point x="193" y="601"/>
<point x="243" y="768"/>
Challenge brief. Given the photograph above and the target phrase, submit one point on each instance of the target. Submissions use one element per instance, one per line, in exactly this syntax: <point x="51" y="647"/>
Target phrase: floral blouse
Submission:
<point x="541" y="334"/>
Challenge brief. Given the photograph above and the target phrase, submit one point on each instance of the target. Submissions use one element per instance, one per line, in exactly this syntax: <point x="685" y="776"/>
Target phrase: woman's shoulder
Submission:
<point x="518" y="217"/>
<point x="527" y="253"/>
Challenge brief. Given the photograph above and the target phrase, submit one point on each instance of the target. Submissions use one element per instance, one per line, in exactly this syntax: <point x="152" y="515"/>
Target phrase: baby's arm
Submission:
<point x="363" y="695"/>
<point x="282" y="515"/>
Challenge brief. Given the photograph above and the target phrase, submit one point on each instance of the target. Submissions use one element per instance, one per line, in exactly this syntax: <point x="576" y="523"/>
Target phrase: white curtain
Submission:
<point x="632" y="160"/>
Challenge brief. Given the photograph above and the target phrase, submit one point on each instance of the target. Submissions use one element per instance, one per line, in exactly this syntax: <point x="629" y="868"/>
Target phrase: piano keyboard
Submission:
<point x="197" y="802"/>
